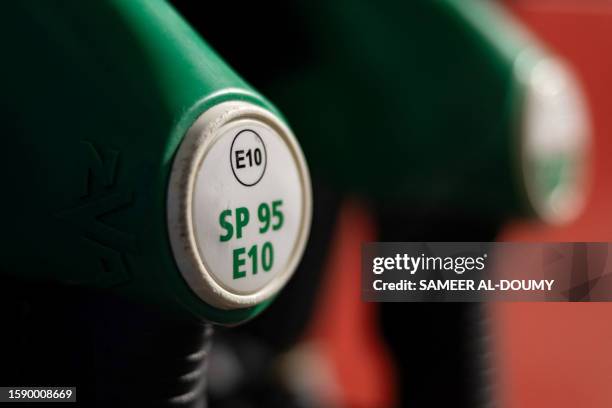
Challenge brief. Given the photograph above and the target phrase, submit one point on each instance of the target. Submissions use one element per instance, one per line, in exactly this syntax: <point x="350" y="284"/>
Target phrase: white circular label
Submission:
<point x="247" y="206"/>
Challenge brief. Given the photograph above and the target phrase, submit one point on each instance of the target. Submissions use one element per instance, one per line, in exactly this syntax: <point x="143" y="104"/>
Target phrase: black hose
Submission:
<point x="115" y="352"/>
<point x="441" y="350"/>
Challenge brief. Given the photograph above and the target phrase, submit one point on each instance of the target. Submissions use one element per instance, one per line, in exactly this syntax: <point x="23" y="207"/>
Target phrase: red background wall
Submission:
<point x="548" y="354"/>
<point x="560" y="355"/>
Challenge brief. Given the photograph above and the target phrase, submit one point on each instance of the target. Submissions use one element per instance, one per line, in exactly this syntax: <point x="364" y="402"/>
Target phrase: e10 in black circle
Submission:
<point x="248" y="157"/>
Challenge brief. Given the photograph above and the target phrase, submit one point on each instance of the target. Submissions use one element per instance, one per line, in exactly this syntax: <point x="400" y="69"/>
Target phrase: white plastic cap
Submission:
<point x="239" y="205"/>
<point x="555" y="141"/>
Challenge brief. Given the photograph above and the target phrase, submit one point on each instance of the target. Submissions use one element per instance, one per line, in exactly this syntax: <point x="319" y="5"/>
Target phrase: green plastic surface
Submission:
<point x="96" y="97"/>
<point x="417" y="102"/>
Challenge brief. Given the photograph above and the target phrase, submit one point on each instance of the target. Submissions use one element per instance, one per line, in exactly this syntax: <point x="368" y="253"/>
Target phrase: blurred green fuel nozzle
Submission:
<point x="136" y="160"/>
<point x="446" y="102"/>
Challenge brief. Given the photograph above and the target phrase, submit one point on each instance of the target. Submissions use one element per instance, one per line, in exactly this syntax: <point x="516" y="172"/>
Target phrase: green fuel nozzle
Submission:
<point x="136" y="161"/>
<point x="447" y="102"/>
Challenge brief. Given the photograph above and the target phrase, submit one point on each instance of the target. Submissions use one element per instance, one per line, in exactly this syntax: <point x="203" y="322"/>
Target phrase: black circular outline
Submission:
<point x="232" y="164"/>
